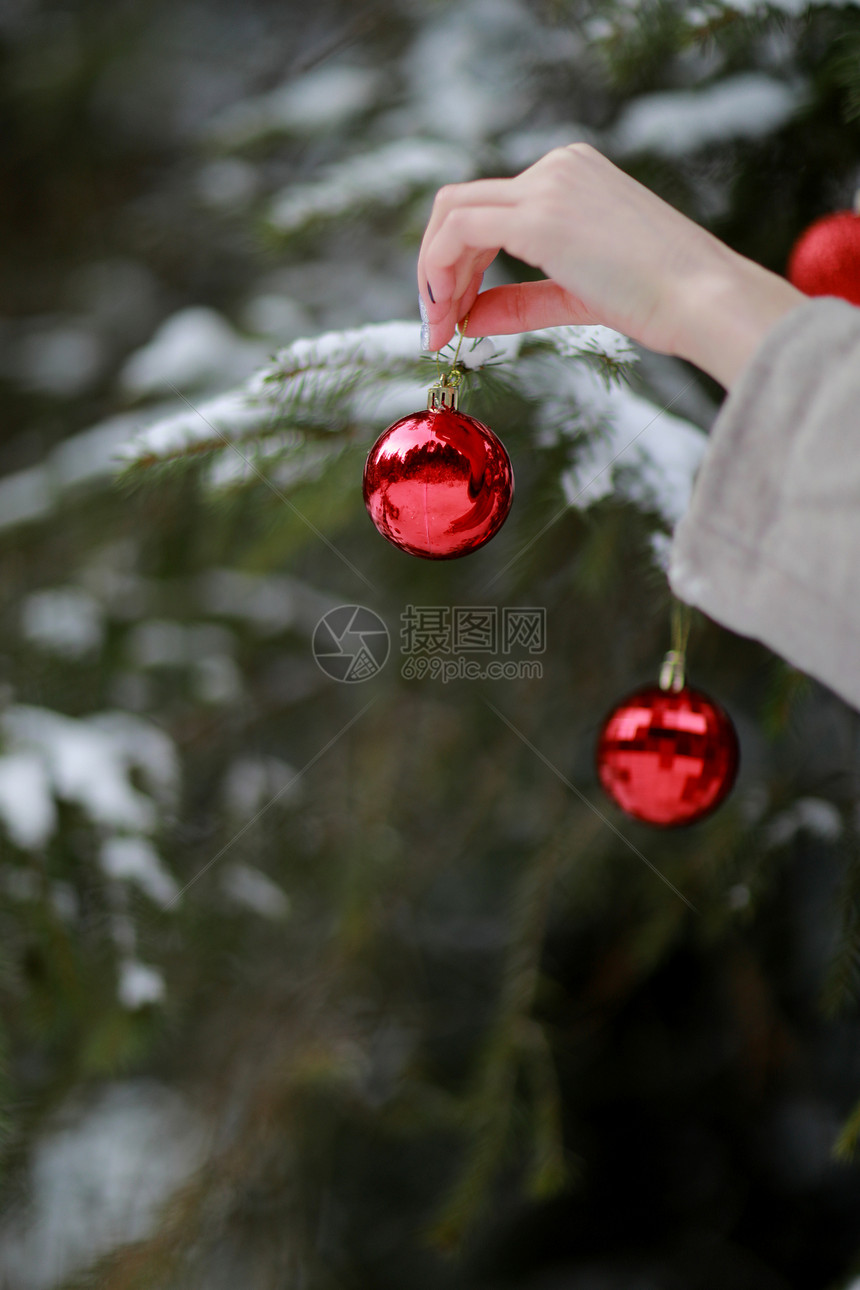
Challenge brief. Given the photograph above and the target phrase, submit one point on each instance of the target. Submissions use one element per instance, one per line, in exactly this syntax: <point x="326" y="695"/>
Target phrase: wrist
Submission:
<point x="725" y="313"/>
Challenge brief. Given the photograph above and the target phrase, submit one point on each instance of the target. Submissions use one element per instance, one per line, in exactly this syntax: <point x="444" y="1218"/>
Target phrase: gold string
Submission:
<point x="461" y="332"/>
<point x="682" y="617"/>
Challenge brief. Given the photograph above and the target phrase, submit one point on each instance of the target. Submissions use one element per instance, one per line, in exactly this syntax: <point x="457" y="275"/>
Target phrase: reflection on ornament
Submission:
<point x="825" y="259"/>
<point x="667" y="757"/>
<point x="438" y="483"/>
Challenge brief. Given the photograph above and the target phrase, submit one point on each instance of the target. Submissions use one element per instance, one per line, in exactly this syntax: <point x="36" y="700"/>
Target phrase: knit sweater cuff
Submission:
<point x="770" y="545"/>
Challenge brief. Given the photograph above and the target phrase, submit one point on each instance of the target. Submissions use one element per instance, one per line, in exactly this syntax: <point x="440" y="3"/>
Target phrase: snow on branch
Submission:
<point x="378" y="345"/>
<point x="92" y="763"/>
<point x="648" y="455"/>
<point x="345" y="377"/>
<point x="621" y="442"/>
<point x="89" y="761"/>
<point x="385" y="177"/>
<point x="677" y="122"/>
<point x="328" y="98"/>
<point x="232" y="417"/>
<point x="308" y="379"/>
<point x="572" y="375"/>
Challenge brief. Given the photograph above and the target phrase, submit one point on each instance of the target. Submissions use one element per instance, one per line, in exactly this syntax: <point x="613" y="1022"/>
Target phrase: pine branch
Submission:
<point x="316" y="395"/>
<point x="387" y="176"/>
<point x="312" y="384"/>
<point x="549" y="1171"/>
<point x="845" y="1146"/>
<point x="842" y="985"/>
<point x="844" y="68"/>
<point x="512" y="1043"/>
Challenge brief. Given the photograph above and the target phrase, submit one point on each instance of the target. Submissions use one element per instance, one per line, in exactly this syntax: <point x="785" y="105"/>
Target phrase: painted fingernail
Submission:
<point x="425" y="323"/>
<point x="430" y="294"/>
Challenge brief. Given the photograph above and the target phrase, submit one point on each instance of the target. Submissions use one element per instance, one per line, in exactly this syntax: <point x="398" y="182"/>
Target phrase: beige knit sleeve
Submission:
<point x="770" y="545"/>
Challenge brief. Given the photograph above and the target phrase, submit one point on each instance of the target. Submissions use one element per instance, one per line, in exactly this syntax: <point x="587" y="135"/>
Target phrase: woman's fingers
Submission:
<point x="465" y="243"/>
<point x="451" y="279"/>
<point x="442" y="331"/>
<point x="487" y="192"/>
<point x="525" y="306"/>
<point x="612" y="251"/>
<point x="501" y="311"/>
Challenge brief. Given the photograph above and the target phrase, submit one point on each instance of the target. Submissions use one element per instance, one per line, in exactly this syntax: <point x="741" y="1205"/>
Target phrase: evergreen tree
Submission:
<point x="438" y="1012"/>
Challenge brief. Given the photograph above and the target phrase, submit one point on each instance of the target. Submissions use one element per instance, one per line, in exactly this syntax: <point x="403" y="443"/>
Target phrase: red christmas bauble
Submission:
<point x="825" y="260"/>
<point x="438" y="483"/>
<point x="667" y="757"/>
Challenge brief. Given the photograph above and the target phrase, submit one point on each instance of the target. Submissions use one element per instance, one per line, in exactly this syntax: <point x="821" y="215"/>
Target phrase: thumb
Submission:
<point x="525" y="306"/>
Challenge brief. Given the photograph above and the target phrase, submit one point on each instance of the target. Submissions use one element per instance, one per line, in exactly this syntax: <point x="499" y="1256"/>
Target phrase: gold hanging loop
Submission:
<point x="445" y="390"/>
<point x="674" y="662"/>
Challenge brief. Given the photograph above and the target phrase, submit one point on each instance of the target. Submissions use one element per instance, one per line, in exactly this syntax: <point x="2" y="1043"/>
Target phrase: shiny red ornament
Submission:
<point x="825" y="260"/>
<point x="667" y="757"/>
<point x="438" y="483"/>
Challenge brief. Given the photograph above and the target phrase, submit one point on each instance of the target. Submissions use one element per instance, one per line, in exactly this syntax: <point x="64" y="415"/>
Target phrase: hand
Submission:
<point x="613" y="252"/>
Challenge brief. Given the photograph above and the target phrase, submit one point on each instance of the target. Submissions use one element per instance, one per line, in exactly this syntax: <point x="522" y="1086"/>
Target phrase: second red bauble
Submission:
<point x="825" y="259"/>
<point x="667" y="757"/>
<point x="438" y="483"/>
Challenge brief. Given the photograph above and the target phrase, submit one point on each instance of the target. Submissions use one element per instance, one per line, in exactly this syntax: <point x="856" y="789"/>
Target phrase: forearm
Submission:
<point x="726" y="310"/>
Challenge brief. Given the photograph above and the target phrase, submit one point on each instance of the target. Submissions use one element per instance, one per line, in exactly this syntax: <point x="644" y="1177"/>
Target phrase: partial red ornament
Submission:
<point x="668" y="757"/>
<point x="825" y="259"/>
<point x="438" y="483"/>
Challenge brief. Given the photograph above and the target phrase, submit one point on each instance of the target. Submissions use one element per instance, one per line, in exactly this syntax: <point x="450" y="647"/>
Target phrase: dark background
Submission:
<point x="464" y="1037"/>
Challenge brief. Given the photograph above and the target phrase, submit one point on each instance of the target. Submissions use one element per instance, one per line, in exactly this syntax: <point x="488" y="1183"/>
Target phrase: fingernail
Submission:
<point x="425" y="323"/>
<point x="430" y="294"/>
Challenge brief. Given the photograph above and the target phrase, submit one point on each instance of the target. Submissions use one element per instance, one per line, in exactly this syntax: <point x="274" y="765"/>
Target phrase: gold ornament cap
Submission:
<point x="442" y="395"/>
<point x="445" y="393"/>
